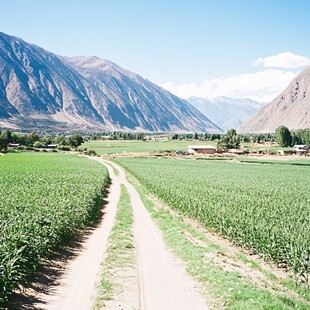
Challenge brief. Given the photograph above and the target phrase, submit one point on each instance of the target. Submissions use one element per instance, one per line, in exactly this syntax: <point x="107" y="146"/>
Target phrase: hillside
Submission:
<point x="40" y="90"/>
<point x="226" y="112"/>
<point x="291" y="109"/>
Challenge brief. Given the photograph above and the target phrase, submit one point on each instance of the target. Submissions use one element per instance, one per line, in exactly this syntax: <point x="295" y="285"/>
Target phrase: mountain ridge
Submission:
<point x="291" y="108"/>
<point x="40" y="89"/>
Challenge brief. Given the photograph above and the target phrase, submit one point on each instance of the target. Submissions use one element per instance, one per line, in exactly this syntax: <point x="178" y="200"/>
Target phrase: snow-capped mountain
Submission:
<point x="226" y="112"/>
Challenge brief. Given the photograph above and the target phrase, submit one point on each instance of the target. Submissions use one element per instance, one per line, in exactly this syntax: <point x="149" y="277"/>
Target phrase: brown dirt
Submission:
<point x="164" y="283"/>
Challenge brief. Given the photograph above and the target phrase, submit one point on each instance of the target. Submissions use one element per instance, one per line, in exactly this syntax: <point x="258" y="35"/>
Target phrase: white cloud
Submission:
<point x="261" y="86"/>
<point x="283" y="60"/>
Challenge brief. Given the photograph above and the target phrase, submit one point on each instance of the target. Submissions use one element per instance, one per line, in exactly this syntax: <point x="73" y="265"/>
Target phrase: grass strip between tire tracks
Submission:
<point x="119" y="254"/>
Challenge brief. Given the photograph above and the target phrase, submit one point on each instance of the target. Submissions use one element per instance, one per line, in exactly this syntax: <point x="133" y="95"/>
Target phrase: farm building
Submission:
<point x="201" y="149"/>
<point x="301" y="149"/>
<point x="52" y="146"/>
<point x="13" y="145"/>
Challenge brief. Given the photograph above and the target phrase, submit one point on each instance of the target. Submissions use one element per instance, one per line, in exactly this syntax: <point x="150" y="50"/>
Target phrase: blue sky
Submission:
<point x="191" y="47"/>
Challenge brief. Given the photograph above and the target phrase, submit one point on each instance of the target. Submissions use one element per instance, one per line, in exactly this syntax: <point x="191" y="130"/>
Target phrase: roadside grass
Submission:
<point x="223" y="288"/>
<point x="116" y="172"/>
<point x="119" y="254"/>
<point x="289" y="283"/>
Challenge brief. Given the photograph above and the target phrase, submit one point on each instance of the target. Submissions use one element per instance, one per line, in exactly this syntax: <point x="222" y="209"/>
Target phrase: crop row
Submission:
<point x="265" y="208"/>
<point x="44" y="200"/>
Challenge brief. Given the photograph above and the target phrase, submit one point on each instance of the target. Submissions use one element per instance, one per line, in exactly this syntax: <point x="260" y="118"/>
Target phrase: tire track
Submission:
<point x="75" y="288"/>
<point x="164" y="283"/>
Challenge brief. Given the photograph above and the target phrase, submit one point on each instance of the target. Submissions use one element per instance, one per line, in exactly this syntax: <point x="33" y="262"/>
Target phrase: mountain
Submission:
<point x="40" y="90"/>
<point x="226" y="112"/>
<point x="291" y="109"/>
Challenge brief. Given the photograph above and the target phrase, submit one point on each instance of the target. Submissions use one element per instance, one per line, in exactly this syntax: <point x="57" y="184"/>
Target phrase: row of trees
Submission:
<point x="287" y="138"/>
<point x="117" y="135"/>
<point x="283" y="136"/>
<point x="249" y="138"/>
<point x="231" y="140"/>
<point x="33" y="139"/>
<point x="7" y="137"/>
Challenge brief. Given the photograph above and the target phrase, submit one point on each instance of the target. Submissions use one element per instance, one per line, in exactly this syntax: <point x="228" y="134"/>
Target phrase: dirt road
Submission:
<point x="164" y="283"/>
<point x="76" y="288"/>
<point x="162" y="279"/>
<point x="69" y="282"/>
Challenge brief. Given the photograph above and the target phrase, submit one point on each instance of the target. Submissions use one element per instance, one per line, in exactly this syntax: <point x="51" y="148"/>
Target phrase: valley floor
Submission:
<point x="167" y="262"/>
<point x="161" y="279"/>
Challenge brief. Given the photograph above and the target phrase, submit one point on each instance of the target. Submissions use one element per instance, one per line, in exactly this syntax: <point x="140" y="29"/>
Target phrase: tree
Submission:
<point x="229" y="141"/>
<point x="233" y="138"/>
<point x="175" y="136"/>
<point x="223" y="144"/>
<point x="296" y="139"/>
<point x="75" y="140"/>
<point x="33" y="137"/>
<point x="5" y="138"/>
<point x="46" y="140"/>
<point x="301" y="136"/>
<point x="61" y="140"/>
<point x="1" y="142"/>
<point x="246" y="138"/>
<point x="283" y="136"/>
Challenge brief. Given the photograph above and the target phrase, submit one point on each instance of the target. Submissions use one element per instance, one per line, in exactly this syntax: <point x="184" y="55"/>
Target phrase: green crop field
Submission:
<point x="118" y="147"/>
<point x="122" y="146"/>
<point x="263" y="207"/>
<point x="44" y="200"/>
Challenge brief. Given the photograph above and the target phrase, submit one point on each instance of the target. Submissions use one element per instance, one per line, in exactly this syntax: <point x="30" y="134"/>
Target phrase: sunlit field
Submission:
<point x="119" y="147"/>
<point x="262" y="207"/>
<point x="44" y="200"/>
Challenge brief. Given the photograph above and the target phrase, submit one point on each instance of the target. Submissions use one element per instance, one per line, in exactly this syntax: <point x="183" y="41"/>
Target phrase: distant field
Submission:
<point x="45" y="198"/>
<point x="270" y="147"/>
<point x="118" y="147"/>
<point x="292" y="161"/>
<point x="263" y="207"/>
<point x="268" y="160"/>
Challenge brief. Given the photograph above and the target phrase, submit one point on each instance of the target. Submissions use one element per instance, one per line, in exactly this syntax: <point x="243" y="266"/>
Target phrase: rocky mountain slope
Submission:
<point x="226" y="112"/>
<point x="40" y="90"/>
<point x="291" y="109"/>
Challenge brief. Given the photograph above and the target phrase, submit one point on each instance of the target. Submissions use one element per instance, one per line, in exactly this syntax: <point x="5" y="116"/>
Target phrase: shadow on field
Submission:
<point x="49" y="272"/>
